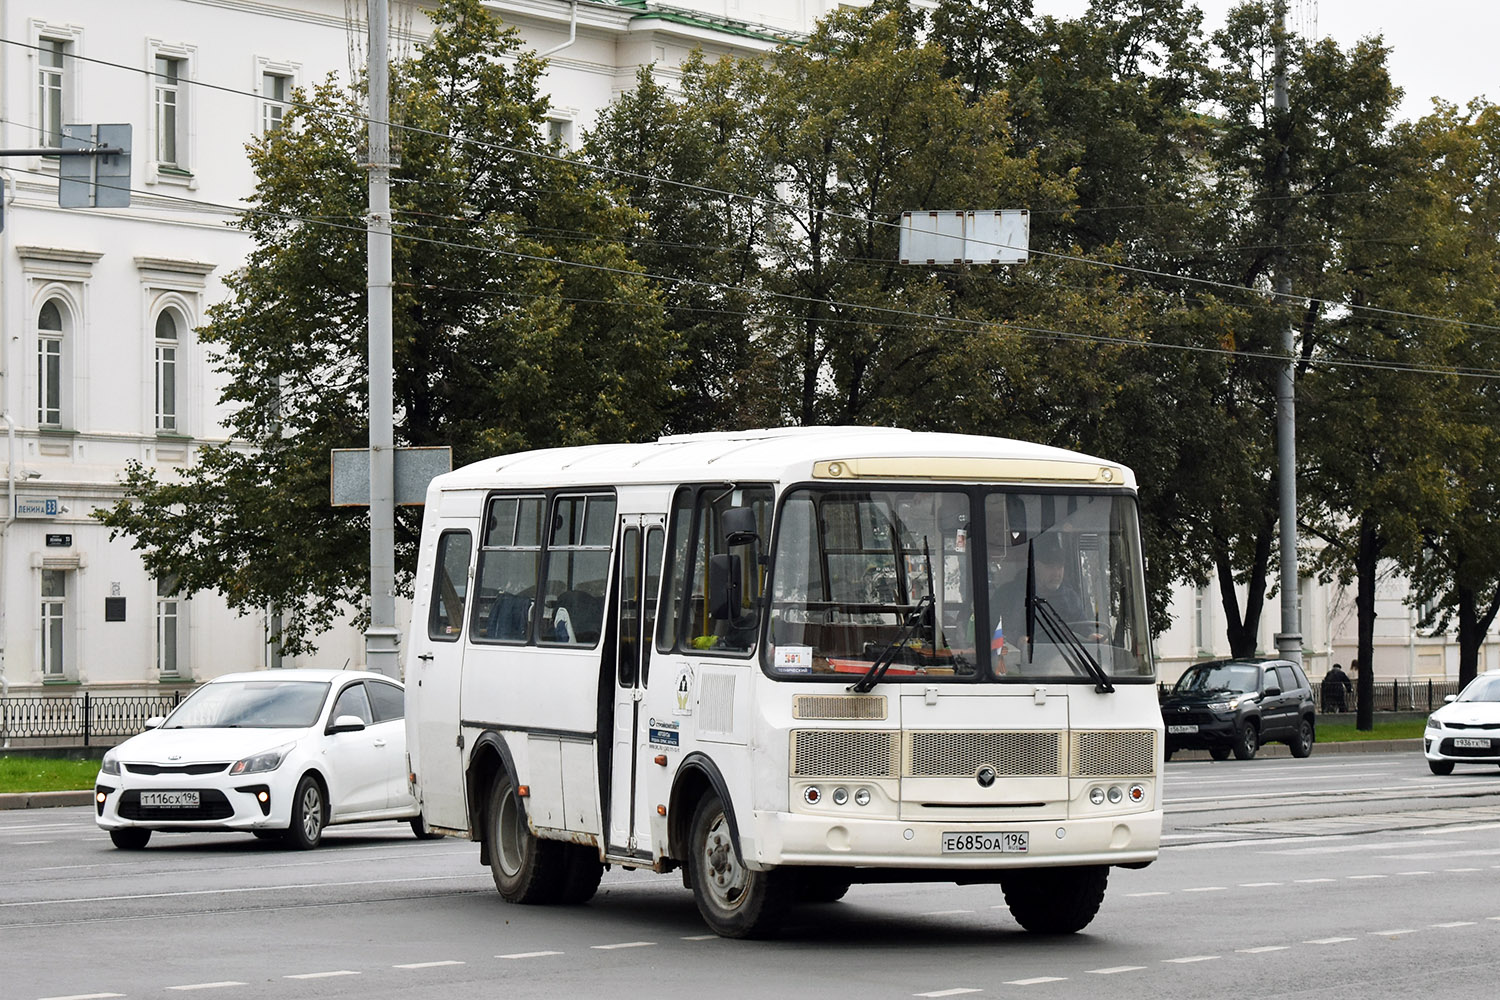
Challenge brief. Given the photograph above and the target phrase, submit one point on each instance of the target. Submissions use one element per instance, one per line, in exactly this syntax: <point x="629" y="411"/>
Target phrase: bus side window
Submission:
<point x="510" y="560"/>
<point x="450" y="586"/>
<point x="681" y="528"/>
<point x="703" y="624"/>
<point x="578" y="553"/>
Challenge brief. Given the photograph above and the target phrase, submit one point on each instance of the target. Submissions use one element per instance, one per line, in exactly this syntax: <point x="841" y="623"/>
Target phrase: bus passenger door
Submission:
<point x="432" y="683"/>
<point x="641" y="543"/>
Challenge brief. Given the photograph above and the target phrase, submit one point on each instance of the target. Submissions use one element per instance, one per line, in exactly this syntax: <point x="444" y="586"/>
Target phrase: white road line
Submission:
<point x="1114" y="969"/>
<point x="1457" y="923"/>
<point x="227" y="891"/>
<point x="942" y="913"/>
<point x="624" y="944"/>
<point x="1414" y="873"/>
<point x="1396" y="933"/>
<point x="1332" y="940"/>
<point x="1205" y="888"/>
<point x="87" y="996"/>
<point x="207" y="986"/>
<point x="1263" y="949"/>
<point x="1136" y="895"/>
<point x="1458" y="870"/>
<point x="700" y="937"/>
<point x="531" y="954"/>
<point x="32" y="843"/>
<point x="1310" y="881"/>
<point x="1356" y="877"/>
<point x="1258" y="885"/>
<point x="1036" y="981"/>
<point x="427" y="965"/>
<point x="322" y="975"/>
<point x="949" y="993"/>
<point x="1190" y="959"/>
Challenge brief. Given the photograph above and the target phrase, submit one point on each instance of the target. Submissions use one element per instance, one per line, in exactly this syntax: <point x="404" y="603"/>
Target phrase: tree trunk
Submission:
<point x="1243" y="632"/>
<point x="1365" y="560"/>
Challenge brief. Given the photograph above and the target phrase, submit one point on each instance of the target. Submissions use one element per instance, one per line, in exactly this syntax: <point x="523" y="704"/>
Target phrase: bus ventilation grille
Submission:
<point x="955" y="754"/>
<point x="1114" y="753"/>
<point x="844" y="754"/>
<point x="835" y="707"/>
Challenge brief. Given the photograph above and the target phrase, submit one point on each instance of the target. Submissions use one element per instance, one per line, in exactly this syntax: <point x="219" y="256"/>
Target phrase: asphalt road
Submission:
<point x="1332" y="877"/>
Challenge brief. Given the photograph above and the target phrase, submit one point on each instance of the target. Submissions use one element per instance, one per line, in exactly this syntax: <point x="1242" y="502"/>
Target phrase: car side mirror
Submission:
<point x="724" y="587"/>
<point x="1450" y="697"/>
<point x="1272" y="692"/>
<point x="347" y="724"/>
<point x="738" y="525"/>
<point x="155" y="721"/>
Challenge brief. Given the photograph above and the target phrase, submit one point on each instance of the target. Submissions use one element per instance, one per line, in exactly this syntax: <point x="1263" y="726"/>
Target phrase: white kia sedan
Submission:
<point x="1467" y="729"/>
<point x="281" y="754"/>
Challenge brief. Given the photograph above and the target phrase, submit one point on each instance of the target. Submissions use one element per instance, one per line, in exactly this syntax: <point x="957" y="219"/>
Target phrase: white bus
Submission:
<point x="784" y="661"/>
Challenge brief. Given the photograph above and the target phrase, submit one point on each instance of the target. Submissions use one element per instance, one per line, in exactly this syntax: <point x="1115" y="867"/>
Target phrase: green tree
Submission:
<point x="510" y="331"/>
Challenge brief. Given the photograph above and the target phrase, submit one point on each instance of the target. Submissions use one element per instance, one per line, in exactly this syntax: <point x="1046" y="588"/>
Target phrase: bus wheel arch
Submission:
<point x="697" y="777"/>
<point x="490" y="758"/>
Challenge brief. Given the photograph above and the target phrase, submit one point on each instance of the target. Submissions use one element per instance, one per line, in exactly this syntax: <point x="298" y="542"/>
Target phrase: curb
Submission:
<point x="1349" y="746"/>
<point x="37" y="800"/>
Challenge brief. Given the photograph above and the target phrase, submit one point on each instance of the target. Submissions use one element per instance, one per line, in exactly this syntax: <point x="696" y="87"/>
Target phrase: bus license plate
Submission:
<point x="1182" y="729"/>
<point x="993" y="842"/>
<point x="1471" y="743"/>
<point x="170" y="800"/>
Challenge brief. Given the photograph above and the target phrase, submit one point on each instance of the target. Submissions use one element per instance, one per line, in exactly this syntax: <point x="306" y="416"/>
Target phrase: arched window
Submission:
<point x="49" y="365"/>
<point x="166" y="372"/>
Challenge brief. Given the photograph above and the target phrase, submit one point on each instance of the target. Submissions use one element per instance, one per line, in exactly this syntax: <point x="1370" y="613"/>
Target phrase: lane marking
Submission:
<point x="87" y="996"/>
<point x="625" y="944"/>
<point x="942" y="913"/>
<point x="1457" y="870"/>
<point x="322" y="975"/>
<point x="1205" y="888"/>
<point x="700" y="937"/>
<point x="1332" y="940"/>
<point x="1404" y="930"/>
<point x="1131" y="894"/>
<point x="207" y="986"/>
<point x="531" y="954"/>
<point x="226" y="891"/>
<point x="1457" y="923"/>
<point x="1190" y="959"/>
<point x="1310" y="881"/>
<point x="1356" y="877"/>
<point x="949" y="993"/>
<point x="1263" y="949"/>
<point x="1258" y="885"/>
<point x="33" y="843"/>
<point x="1414" y="873"/>
<point x="427" y="965"/>
<point x="1036" y="981"/>
<point x="1118" y="968"/>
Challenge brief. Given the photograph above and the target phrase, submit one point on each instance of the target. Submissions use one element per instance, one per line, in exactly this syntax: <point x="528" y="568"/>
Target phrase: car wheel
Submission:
<point x="582" y="871"/>
<point x="1219" y="753"/>
<point x="1055" y="900"/>
<point x="735" y="901"/>
<point x="422" y="831"/>
<point x="525" y="869"/>
<point x="130" y="838"/>
<point x="823" y="885"/>
<point x="1247" y="742"/>
<point x="309" y="815"/>
<point x="1440" y="766"/>
<point x="1303" y="743"/>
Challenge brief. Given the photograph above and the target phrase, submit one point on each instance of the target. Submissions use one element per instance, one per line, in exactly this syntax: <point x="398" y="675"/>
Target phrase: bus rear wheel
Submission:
<point x="1055" y="900"/>
<point x="735" y="901"/>
<point x="581" y="875"/>
<point x="526" y="869"/>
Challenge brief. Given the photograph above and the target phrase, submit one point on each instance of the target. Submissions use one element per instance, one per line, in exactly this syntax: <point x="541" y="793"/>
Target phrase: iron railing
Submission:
<point x="82" y="716"/>
<point x="1386" y="696"/>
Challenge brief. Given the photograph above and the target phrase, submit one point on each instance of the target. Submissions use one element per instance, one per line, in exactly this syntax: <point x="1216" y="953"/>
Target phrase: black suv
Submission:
<point x="1235" y="706"/>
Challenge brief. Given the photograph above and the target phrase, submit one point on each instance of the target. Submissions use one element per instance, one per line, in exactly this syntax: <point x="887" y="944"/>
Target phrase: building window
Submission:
<point x="1202" y="630"/>
<point x="51" y="78"/>
<point x="560" y="132"/>
<point x="167" y="101"/>
<point x="49" y="368"/>
<point x="275" y="92"/>
<point x="169" y="615"/>
<point x="53" y="617"/>
<point x="166" y="372"/>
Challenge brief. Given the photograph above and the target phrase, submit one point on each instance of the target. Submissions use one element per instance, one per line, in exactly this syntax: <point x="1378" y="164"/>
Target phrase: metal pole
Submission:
<point x="1289" y="639"/>
<point x="381" y="639"/>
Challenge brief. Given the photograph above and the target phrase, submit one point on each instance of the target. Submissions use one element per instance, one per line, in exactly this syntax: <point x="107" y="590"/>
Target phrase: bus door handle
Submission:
<point x="424" y="656"/>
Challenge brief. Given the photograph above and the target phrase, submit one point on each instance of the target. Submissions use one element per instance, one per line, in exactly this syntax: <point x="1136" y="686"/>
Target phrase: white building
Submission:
<point x="100" y="363"/>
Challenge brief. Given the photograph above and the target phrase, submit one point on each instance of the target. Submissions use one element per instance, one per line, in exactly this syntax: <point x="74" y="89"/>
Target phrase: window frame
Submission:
<point x="438" y="574"/>
<point x="679" y="594"/>
<point x="180" y="165"/>
<point x="167" y="376"/>
<point x="265" y="104"/>
<point x="70" y="39"/>
<point x="51" y="364"/>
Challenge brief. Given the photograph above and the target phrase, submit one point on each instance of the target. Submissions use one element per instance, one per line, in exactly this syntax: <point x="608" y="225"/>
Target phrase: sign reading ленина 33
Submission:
<point x="37" y="507"/>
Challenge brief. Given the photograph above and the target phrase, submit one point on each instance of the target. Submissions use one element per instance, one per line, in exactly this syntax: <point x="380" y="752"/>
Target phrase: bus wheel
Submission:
<point x="582" y="871"/>
<point x="735" y="902"/>
<point x="526" y="870"/>
<point x="1055" y="900"/>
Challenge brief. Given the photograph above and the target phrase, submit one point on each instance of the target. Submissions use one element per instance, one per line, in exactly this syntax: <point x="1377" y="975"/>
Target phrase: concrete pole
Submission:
<point x="382" y="641"/>
<point x="1289" y="639"/>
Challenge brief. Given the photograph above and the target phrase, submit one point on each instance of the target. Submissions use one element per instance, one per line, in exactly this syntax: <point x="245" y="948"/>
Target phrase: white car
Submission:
<point x="281" y="754"/>
<point x="1467" y="729"/>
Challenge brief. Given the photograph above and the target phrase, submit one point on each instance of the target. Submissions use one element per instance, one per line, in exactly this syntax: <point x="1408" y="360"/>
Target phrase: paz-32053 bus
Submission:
<point x="785" y="661"/>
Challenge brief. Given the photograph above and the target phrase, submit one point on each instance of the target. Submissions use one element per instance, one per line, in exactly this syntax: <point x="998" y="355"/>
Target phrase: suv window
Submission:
<point x="1288" y="676"/>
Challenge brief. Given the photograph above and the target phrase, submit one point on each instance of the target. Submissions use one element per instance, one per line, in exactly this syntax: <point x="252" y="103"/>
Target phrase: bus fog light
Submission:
<point x="1137" y="793"/>
<point x="1116" y="794"/>
<point x="1096" y="795"/>
<point x="840" y="796"/>
<point x="811" y="795"/>
<point x="862" y="797"/>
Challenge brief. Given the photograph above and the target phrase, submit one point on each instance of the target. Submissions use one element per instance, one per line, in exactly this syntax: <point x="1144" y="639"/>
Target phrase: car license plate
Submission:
<point x="991" y="842"/>
<point x="1182" y="729"/>
<point x="170" y="800"/>
<point x="1471" y="743"/>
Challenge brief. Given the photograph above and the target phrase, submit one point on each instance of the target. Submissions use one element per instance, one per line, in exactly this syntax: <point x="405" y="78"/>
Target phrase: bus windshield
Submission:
<point x="957" y="585"/>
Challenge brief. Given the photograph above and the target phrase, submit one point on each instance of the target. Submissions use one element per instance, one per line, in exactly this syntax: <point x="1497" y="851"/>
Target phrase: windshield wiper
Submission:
<point x="888" y="654"/>
<point x="1077" y="653"/>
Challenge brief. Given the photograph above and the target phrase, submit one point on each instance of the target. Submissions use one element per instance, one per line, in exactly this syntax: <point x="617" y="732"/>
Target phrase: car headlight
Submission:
<point x="268" y="760"/>
<point x="1224" y="706"/>
<point x="1433" y="722"/>
<point x="110" y="764"/>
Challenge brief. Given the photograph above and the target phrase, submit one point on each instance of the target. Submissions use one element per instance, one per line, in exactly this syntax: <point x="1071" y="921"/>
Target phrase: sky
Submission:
<point x="1441" y="48"/>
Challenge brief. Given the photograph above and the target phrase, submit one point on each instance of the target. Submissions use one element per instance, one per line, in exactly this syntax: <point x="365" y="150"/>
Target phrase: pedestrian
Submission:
<point x="1336" y="688"/>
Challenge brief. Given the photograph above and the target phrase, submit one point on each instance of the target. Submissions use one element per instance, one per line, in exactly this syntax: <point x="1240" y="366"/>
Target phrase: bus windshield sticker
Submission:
<point x="794" y="659"/>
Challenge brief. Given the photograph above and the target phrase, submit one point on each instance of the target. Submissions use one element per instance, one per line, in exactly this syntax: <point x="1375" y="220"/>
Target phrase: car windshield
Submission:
<point x="252" y="704"/>
<point x="957" y="584"/>
<point x="1482" y="689"/>
<point x="1232" y="678"/>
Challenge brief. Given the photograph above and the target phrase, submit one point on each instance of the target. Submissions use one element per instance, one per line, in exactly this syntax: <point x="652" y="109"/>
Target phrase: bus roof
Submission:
<point x="792" y="454"/>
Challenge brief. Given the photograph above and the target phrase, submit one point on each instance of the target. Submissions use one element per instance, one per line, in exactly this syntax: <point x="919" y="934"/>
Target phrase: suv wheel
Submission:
<point x="1247" y="743"/>
<point x="1302" y="743"/>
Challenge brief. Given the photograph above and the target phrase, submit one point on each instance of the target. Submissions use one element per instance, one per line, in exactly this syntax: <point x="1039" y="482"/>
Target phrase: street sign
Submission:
<point x="349" y="483"/>
<point x="965" y="237"/>
<point x="94" y="168"/>
<point x="37" y="507"/>
<point x="59" y="541"/>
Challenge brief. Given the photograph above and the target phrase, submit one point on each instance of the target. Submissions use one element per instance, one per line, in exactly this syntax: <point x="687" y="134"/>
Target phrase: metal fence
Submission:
<point x="82" y="716"/>
<point x="1386" y="696"/>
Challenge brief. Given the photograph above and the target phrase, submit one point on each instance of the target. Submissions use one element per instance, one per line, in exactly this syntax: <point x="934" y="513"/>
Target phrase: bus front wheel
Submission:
<point x="1055" y="900"/>
<point x="735" y="901"/>
<point x="526" y="869"/>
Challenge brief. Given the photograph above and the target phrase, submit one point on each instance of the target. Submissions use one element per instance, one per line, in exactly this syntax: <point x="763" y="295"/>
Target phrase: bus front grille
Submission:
<point x="1114" y="753"/>
<point x="956" y="754"/>
<point x="844" y="753"/>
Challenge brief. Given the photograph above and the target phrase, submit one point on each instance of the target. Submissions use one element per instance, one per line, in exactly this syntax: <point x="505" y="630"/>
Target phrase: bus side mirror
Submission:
<point x="724" y="587"/>
<point x="738" y="525"/>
